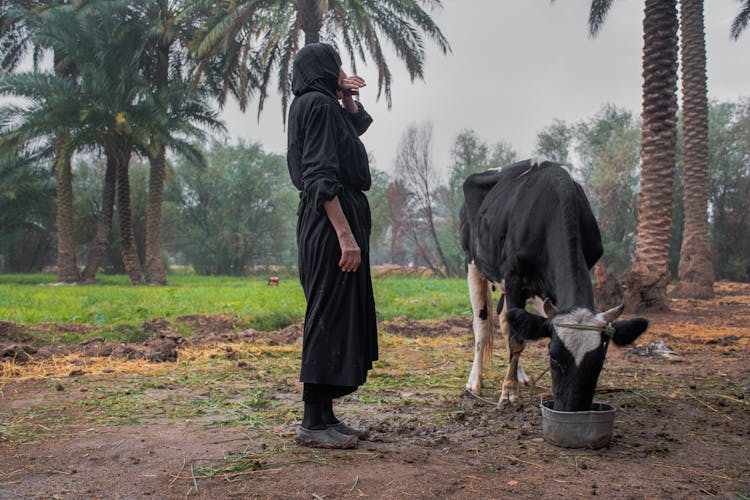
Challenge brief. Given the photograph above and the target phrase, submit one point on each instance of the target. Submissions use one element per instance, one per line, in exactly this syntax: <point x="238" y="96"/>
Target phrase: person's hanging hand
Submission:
<point x="351" y="255"/>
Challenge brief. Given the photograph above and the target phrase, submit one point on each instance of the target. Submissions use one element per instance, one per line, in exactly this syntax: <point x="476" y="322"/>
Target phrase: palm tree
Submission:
<point x="169" y="30"/>
<point x="110" y="104"/>
<point x="259" y="36"/>
<point x="740" y="22"/>
<point x="165" y="64"/>
<point x="16" y="39"/>
<point x="162" y="65"/>
<point x="696" y="272"/>
<point x="649" y="275"/>
<point x="98" y="246"/>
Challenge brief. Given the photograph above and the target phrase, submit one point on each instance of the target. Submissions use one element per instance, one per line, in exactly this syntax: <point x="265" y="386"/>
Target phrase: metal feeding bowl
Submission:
<point x="578" y="429"/>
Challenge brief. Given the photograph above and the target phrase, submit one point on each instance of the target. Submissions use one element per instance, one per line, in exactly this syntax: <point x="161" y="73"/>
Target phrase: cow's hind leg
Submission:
<point x="480" y="292"/>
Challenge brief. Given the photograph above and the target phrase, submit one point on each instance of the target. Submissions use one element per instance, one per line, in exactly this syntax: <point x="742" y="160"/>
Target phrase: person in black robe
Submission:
<point x="328" y="164"/>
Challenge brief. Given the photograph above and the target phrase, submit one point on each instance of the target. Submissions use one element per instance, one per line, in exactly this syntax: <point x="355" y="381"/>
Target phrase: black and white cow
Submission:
<point x="528" y="229"/>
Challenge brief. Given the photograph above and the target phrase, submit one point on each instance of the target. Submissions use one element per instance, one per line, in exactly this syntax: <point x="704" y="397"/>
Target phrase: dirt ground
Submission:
<point x="219" y="422"/>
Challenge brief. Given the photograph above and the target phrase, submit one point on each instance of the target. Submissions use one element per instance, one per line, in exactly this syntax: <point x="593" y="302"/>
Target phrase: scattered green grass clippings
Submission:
<point x="32" y="425"/>
<point x="204" y="387"/>
<point x="422" y="378"/>
<point x="247" y="462"/>
<point x="208" y="388"/>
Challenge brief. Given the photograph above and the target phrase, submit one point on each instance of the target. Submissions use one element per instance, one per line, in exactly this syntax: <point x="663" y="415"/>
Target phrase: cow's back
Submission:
<point x="528" y="218"/>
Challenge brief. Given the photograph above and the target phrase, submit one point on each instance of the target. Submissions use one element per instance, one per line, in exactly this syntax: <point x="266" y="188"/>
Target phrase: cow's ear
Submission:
<point x="527" y="326"/>
<point x="628" y="330"/>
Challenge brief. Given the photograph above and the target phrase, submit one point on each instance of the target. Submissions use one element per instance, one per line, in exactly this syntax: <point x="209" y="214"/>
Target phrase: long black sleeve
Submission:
<point x="320" y="160"/>
<point x="361" y="119"/>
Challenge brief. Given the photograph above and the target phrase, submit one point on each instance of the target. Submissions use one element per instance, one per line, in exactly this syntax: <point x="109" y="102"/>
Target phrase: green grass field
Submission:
<point x="113" y="301"/>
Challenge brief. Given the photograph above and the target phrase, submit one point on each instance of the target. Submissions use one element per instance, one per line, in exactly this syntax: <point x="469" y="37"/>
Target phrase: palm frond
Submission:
<point x="269" y="32"/>
<point x="411" y="11"/>
<point x="36" y="86"/>
<point x="740" y="22"/>
<point x="597" y="15"/>
<point x="286" y="56"/>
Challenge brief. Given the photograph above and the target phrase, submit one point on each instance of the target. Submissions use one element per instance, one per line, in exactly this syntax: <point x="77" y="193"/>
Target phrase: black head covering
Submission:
<point x="316" y="68"/>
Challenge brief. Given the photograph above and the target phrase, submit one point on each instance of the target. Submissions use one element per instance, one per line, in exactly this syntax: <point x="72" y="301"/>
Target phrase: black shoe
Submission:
<point x="325" y="438"/>
<point x="342" y="428"/>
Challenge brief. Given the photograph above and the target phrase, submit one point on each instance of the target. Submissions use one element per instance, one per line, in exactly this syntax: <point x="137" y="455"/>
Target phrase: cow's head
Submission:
<point x="578" y="344"/>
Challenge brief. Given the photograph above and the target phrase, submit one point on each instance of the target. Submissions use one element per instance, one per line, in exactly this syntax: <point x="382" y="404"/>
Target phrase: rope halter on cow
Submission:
<point x="608" y="331"/>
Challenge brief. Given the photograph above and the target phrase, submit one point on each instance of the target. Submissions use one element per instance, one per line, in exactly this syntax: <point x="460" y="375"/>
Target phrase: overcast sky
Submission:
<point x="517" y="65"/>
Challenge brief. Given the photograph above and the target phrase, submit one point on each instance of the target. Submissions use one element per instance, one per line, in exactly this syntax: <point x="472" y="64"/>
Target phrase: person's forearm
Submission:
<point x="350" y="104"/>
<point x="336" y="216"/>
<point x="351" y="255"/>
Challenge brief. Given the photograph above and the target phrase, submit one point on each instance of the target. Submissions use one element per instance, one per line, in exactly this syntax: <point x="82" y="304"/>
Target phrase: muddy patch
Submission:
<point x="406" y="327"/>
<point x="18" y="345"/>
<point x="210" y="323"/>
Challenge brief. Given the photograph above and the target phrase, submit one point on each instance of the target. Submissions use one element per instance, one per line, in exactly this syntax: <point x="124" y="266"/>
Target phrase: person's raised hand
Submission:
<point x="350" y="85"/>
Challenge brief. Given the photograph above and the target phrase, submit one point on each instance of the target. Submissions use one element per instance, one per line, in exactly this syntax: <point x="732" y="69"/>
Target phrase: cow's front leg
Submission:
<point x="536" y="304"/>
<point x="510" y="392"/>
<point x="480" y="293"/>
<point x="515" y="373"/>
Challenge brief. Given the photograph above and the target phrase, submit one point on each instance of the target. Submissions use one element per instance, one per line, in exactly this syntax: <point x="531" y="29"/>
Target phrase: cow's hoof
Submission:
<point x="503" y="403"/>
<point x="508" y="400"/>
<point x="509" y="404"/>
<point x="506" y="404"/>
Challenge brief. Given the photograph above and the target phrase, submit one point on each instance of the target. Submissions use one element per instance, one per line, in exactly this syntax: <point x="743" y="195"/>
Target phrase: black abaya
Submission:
<point x="326" y="159"/>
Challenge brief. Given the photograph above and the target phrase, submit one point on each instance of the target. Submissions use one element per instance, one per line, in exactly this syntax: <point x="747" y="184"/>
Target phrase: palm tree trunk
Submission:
<point x="649" y="275"/>
<point x="311" y="19"/>
<point x="696" y="272"/>
<point x="155" y="274"/>
<point x="67" y="269"/>
<point x="129" y="255"/>
<point x="98" y="247"/>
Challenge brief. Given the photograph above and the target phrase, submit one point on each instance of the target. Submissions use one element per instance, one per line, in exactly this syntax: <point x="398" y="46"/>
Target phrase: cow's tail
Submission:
<point x="487" y="354"/>
<point x="480" y="291"/>
<point x="500" y="310"/>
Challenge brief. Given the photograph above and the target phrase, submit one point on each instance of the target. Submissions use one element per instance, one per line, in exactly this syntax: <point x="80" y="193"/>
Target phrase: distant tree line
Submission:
<point x="235" y="211"/>
<point x="238" y="209"/>
<point x="603" y="154"/>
